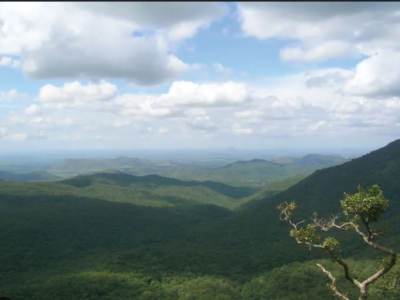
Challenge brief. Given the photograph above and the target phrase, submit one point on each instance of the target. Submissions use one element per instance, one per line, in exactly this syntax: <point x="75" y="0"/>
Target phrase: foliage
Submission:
<point x="362" y="208"/>
<point x="367" y="206"/>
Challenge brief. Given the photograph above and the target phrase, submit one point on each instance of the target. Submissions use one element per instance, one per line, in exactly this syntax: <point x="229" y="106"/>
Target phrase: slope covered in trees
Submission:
<point x="29" y="176"/>
<point x="151" y="190"/>
<point x="78" y="247"/>
<point x="320" y="192"/>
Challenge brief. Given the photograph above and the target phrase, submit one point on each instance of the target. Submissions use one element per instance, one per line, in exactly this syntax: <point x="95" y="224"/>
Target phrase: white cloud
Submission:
<point x="321" y="31"/>
<point x="76" y="95"/>
<point x="52" y="122"/>
<point x="195" y="112"/>
<point x="173" y="15"/>
<point x="33" y="110"/>
<point x="184" y="98"/>
<point x="320" y="52"/>
<point x="144" y="107"/>
<point x="102" y="40"/>
<point x="75" y="91"/>
<point x="88" y="44"/>
<point x="376" y="76"/>
<point x="300" y="105"/>
<point x="208" y="94"/>
<point x="333" y="78"/>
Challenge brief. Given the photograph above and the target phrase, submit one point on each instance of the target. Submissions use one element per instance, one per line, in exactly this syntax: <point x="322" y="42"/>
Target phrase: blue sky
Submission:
<point x="199" y="75"/>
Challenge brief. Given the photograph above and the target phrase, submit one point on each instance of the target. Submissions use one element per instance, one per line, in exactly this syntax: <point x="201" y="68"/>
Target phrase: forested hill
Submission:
<point x="321" y="192"/>
<point x="311" y="159"/>
<point x="28" y="176"/>
<point x="152" y="181"/>
<point x="256" y="172"/>
<point x="78" y="246"/>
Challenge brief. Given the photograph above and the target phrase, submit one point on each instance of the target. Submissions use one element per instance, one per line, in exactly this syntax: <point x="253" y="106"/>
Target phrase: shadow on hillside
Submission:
<point x="126" y="179"/>
<point x="42" y="236"/>
<point x="40" y="230"/>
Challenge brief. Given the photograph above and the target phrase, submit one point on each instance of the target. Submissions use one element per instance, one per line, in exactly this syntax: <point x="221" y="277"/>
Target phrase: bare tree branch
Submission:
<point x="333" y="286"/>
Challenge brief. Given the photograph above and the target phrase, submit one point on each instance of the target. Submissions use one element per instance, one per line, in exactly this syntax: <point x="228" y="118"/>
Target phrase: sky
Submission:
<point x="132" y="75"/>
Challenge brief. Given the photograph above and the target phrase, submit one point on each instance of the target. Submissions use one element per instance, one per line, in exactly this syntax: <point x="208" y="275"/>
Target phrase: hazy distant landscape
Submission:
<point x="199" y="151"/>
<point x="254" y="172"/>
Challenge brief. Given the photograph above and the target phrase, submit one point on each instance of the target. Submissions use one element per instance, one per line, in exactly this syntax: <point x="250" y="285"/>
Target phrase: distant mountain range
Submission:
<point x="256" y="172"/>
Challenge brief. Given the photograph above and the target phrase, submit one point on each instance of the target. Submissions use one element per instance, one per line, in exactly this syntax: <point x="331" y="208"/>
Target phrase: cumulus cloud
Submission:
<point x="333" y="78"/>
<point x="184" y="98"/>
<point x="75" y="94"/>
<point x="377" y="76"/>
<point x="102" y="40"/>
<point x="300" y="105"/>
<point x="321" y="31"/>
<point x="144" y="107"/>
<point x="187" y="93"/>
<point x="182" y="20"/>
<point x="320" y="52"/>
<point x="115" y="53"/>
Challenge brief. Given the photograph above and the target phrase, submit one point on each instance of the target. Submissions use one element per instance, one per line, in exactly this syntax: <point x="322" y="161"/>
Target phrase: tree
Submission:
<point x="360" y="210"/>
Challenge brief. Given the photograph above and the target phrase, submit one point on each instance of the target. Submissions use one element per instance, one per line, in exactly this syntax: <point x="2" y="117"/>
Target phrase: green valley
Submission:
<point x="117" y="236"/>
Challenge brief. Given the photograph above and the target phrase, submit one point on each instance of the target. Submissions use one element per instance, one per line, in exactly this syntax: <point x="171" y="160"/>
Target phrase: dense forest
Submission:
<point x="119" y="236"/>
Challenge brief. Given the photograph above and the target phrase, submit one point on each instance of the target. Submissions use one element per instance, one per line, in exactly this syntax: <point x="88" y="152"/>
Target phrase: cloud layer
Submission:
<point x="130" y="73"/>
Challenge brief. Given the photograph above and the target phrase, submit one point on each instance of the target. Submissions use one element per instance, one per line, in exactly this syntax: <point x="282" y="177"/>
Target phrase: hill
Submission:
<point x="256" y="172"/>
<point x="312" y="160"/>
<point x="78" y="166"/>
<point x="252" y="243"/>
<point x="321" y="160"/>
<point x="86" y="248"/>
<point x="258" y="232"/>
<point x="271" y="190"/>
<point x="151" y="190"/>
<point x="29" y="176"/>
<point x="259" y="172"/>
<point x="200" y="192"/>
